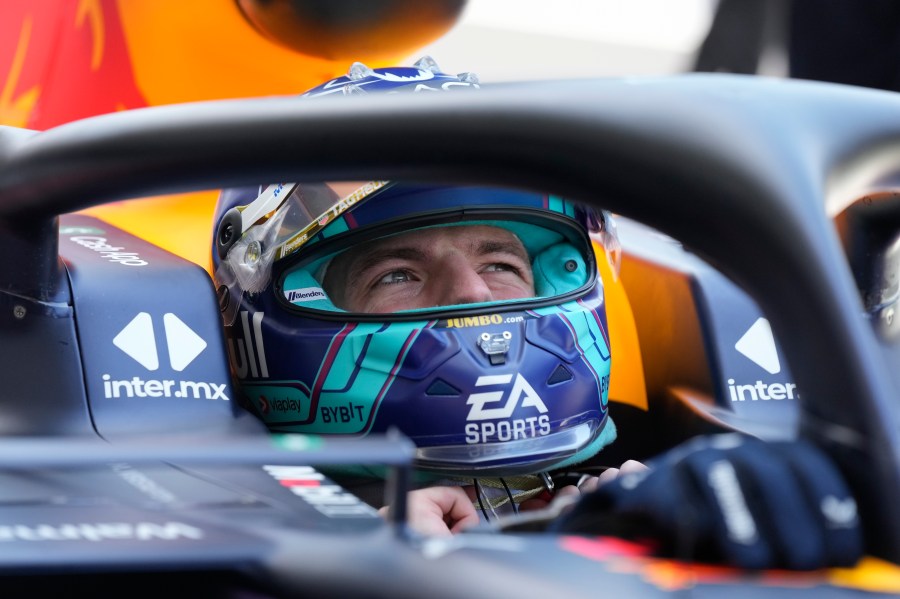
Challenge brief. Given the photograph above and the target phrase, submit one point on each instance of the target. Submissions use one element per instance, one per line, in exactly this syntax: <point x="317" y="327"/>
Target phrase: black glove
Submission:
<point x="733" y="499"/>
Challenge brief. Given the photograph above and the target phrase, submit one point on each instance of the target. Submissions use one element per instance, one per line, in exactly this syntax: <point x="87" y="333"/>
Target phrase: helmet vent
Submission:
<point x="442" y="388"/>
<point x="560" y="375"/>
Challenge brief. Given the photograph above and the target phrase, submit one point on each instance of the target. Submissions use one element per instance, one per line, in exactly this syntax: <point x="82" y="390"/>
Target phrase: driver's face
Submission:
<point x="442" y="266"/>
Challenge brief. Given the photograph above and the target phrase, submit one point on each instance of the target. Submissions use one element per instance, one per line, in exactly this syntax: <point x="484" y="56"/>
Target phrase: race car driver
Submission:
<point x="472" y="320"/>
<point x="462" y="368"/>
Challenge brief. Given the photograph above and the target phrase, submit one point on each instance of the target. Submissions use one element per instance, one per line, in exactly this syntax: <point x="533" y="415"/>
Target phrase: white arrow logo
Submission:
<point x="137" y="340"/>
<point x="758" y="344"/>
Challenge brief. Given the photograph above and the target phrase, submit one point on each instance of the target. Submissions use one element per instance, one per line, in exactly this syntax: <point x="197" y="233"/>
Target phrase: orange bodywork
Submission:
<point x="62" y="60"/>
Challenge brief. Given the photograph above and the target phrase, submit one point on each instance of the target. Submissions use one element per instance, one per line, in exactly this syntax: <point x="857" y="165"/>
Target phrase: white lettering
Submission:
<point x="101" y="531"/>
<point x="143" y="483"/>
<point x="725" y="485"/>
<point x="762" y="391"/>
<point x="507" y="430"/>
<point x="499" y="425"/>
<point x="138" y="387"/>
<point x="521" y="389"/>
<point x="244" y="348"/>
<point x="307" y="294"/>
<point x="112" y="254"/>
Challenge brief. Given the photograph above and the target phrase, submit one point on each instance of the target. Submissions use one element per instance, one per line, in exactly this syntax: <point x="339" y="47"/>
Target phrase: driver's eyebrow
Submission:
<point x="493" y="246"/>
<point x="485" y="247"/>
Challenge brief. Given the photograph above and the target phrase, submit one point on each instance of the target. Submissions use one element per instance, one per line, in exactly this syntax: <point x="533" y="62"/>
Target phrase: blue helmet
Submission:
<point x="494" y="388"/>
<point x="423" y="76"/>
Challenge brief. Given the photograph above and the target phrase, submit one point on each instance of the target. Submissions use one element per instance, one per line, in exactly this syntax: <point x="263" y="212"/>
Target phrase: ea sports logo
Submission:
<point x="521" y="393"/>
<point x="495" y="424"/>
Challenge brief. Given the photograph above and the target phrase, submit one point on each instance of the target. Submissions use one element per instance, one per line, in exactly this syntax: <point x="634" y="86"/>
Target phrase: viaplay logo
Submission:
<point x="138" y="341"/>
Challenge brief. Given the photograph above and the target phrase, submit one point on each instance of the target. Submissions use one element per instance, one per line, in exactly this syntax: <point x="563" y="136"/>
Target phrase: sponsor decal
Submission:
<point x="480" y="321"/>
<point x="267" y="405"/>
<point x="348" y="202"/>
<point x="762" y="391"/>
<point x="101" y="531"/>
<point x="138" y="341"/>
<point x="290" y="245"/>
<point x="293" y="244"/>
<point x="307" y="294"/>
<point x="344" y="414"/>
<point x="138" y="387"/>
<point x="144" y="483"/>
<point x="64" y="230"/>
<point x="116" y="255"/>
<point x="280" y="401"/>
<point x="727" y="490"/>
<point x="424" y="87"/>
<point x="489" y="424"/>
<point x="604" y="385"/>
<point x="758" y="345"/>
<point x="249" y="354"/>
<point x="279" y="189"/>
<point x="326" y="497"/>
<point x="420" y="77"/>
<point x="288" y="402"/>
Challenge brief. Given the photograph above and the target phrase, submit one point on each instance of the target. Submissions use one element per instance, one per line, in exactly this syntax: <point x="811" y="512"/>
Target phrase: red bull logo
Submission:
<point x="49" y="48"/>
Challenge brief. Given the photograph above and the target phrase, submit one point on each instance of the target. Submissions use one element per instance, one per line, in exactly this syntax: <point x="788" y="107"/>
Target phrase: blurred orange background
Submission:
<point x="62" y="60"/>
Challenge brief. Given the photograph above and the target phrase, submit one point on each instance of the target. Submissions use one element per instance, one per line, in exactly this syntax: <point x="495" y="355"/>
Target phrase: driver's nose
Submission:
<point x="459" y="283"/>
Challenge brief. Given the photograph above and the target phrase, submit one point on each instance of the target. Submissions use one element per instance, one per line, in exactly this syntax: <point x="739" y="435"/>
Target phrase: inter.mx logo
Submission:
<point x="758" y="345"/>
<point x="138" y="341"/>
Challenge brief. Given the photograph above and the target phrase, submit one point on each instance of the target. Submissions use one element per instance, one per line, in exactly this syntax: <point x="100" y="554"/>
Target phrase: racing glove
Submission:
<point x="732" y="499"/>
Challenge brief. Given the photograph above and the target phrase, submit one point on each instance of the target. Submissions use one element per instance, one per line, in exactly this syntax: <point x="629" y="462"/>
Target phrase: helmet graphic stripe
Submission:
<point x="577" y="335"/>
<point x="596" y="331"/>
<point x="401" y="355"/>
<point x="328" y="362"/>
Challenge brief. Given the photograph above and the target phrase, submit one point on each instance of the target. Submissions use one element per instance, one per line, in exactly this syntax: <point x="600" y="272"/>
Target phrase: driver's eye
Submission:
<point x="395" y="276"/>
<point x="500" y="267"/>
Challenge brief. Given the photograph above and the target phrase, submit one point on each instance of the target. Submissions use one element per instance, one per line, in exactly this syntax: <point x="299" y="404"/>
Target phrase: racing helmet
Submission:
<point x="494" y="388"/>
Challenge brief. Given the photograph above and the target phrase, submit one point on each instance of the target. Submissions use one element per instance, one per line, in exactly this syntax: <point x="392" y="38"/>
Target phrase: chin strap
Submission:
<point x="497" y="497"/>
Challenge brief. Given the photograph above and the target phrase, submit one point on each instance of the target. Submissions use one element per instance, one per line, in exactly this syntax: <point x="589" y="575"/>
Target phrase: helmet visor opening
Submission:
<point x="444" y="263"/>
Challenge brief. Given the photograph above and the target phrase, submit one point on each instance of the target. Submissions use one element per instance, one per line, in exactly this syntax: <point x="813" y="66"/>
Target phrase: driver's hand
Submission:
<point x="569" y="494"/>
<point x="439" y="510"/>
<point x="449" y="510"/>
<point x="733" y="499"/>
